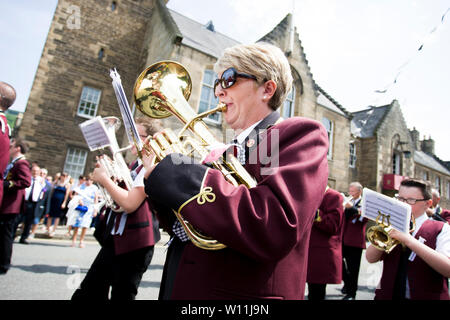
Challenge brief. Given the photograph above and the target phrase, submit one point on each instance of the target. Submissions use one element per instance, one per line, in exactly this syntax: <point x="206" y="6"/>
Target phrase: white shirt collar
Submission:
<point x="419" y="221"/>
<point x="241" y="137"/>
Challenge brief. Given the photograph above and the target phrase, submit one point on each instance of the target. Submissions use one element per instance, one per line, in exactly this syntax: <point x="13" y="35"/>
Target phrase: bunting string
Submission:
<point x="400" y="69"/>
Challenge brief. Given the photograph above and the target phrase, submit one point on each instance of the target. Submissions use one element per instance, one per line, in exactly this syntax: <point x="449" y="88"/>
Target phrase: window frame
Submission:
<point x="330" y="137"/>
<point x="352" y="155"/>
<point x="213" y="101"/>
<point x="289" y="98"/>
<point x="84" y="115"/>
<point x="67" y="163"/>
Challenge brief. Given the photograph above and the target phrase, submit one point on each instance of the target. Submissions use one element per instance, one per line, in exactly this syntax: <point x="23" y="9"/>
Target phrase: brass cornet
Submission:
<point x="162" y="90"/>
<point x="379" y="235"/>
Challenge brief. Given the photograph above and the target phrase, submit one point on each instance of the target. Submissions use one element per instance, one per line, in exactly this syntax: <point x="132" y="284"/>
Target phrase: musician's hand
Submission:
<point x="99" y="174"/>
<point x="400" y="236"/>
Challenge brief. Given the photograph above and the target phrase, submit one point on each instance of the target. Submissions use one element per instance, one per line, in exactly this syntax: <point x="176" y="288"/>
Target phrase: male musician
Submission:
<point x="16" y="179"/>
<point x="419" y="269"/>
<point x="7" y="98"/>
<point x="265" y="228"/>
<point x="127" y="238"/>
<point x="353" y="241"/>
<point x="325" y="245"/>
<point x="435" y="211"/>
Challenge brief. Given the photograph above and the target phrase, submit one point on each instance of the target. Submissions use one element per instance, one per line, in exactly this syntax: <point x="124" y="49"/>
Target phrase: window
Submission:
<point x="89" y="100"/>
<point x="75" y="161"/>
<point x="396" y="163"/>
<point x="438" y="184"/>
<point x="288" y="107"/>
<point x="352" y="160"/>
<point x="207" y="99"/>
<point x="101" y="53"/>
<point x="113" y="6"/>
<point x="426" y="176"/>
<point x="448" y="189"/>
<point x="330" y="128"/>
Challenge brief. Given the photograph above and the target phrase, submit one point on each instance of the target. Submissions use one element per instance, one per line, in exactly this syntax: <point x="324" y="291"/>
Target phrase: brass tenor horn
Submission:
<point x="162" y="90"/>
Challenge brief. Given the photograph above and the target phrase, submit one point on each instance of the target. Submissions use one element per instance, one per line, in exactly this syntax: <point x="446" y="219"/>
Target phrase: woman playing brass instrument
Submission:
<point x="265" y="228"/>
<point x="127" y="238"/>
<point x="420" y="269"/>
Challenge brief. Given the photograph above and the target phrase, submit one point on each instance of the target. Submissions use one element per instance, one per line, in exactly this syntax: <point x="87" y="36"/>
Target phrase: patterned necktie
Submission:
<point x="240" y="151"/>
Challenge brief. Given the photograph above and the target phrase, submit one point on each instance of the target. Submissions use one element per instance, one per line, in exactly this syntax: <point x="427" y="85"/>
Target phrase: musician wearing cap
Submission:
<point x="419" y="268"/>
<point x="264" y="228"/>
<point x="127" y="237"/>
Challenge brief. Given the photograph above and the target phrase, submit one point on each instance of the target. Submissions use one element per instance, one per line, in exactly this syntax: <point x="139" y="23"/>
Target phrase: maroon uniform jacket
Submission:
<point x="4" y="150"/>
<point x="266" y="228"/>
<point x="354" y="229"/>
<point x="424" y="282"/>
<point x="325" y="244"/>
<point x="141" y="229"/>
<point x="445" y="214"/>
<point x="17" y="180"/>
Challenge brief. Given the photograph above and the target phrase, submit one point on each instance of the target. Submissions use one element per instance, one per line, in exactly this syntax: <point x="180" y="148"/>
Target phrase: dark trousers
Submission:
<point x="350" y="266"/>
<point x="28" y="219"/>
<point x="7" y="224"/>
<point x="173" y="257"/>
<point x="122" y="273"/>
<point x="316" y="291"/>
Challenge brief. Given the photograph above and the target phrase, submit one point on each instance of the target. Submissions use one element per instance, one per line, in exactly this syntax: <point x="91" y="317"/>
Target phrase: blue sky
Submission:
<point x="353" y="47"/>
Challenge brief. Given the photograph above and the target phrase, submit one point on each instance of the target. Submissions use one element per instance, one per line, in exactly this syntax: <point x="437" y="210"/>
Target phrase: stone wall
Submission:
<point x="70" y="61"/>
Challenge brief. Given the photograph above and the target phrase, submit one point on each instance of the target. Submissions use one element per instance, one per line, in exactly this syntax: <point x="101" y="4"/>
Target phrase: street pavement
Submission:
<point x="50" y="269"/>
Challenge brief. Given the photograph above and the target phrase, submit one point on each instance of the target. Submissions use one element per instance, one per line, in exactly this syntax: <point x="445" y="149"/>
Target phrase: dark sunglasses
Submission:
<point x="229" y="77"/>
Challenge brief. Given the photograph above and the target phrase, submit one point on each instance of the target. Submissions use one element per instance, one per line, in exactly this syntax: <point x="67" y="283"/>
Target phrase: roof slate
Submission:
<point x="197" y="36"/>
<point x="366" y="122"/>
<point x="429" y="161"/>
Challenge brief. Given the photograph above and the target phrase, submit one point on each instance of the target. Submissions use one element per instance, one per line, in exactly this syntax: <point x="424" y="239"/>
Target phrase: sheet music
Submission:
<point x="399" y="212"/>
<point x="95" y="133"/>
<point x="127" y="117"/>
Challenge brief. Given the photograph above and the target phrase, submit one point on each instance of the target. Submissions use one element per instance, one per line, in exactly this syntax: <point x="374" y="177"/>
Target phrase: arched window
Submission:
<point x="288" y="106"/>
<point x="329" y="126"/>
<point x="207" y="99"/>
<point x="113" y="6"/>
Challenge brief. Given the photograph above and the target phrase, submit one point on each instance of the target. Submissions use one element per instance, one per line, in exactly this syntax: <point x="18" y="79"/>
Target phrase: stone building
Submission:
<point x="87" y="38"/>
<point x="383" y="152"/>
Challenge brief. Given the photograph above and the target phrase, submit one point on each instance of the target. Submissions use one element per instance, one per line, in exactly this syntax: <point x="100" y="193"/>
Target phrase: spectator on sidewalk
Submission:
<point x="60" y="194"/>
<point x="85" y="210"/>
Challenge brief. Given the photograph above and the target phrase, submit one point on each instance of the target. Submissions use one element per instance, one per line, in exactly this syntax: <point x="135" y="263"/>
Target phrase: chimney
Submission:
<point x="428" y="146"/>
<point x="415" y="136"/>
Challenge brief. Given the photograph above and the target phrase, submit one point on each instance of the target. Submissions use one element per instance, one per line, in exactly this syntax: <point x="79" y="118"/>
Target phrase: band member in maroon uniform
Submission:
<point x="127" y="238"/>
<point x="325" y="246"/>
<point x="420" y="269"/>
<point x="16" y="180"/>
<point x="7" y="98"/>
<point x="353" y="241"/>
<point x="265" y="228"/>
<point x="435" y="211"/>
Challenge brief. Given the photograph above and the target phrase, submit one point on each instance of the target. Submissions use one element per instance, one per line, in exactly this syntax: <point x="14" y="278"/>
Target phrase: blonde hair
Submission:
<point x="265" y="62"/>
